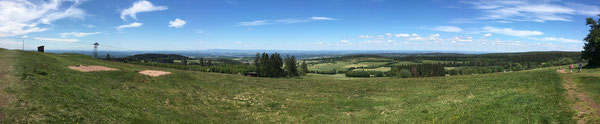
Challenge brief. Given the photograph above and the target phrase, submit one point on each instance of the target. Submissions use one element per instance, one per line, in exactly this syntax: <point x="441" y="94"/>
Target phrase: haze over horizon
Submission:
<point x="429" y="25"/>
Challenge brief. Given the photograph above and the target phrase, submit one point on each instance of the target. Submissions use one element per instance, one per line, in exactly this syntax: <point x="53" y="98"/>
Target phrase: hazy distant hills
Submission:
<point x="216" y="53"/>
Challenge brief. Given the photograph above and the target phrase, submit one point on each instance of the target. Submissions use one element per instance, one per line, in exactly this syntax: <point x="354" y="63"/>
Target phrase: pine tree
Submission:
<point x="278" y="64"/>
<point x="290" y="66"/>
<point x="591" y="50"/>
<point x="274" y="65"/>
<point x="209" y="63"/>
<point x="304" y="67"/>
<point x="294" y="67"/>
<point x="265" y="65"/>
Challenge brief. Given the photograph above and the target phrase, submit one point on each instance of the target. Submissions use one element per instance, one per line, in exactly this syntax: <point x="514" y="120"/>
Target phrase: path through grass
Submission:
<point x="582" y="89"/>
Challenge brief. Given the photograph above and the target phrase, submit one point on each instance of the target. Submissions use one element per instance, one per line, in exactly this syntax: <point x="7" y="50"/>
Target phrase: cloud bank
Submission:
<point x="21" y="17"/>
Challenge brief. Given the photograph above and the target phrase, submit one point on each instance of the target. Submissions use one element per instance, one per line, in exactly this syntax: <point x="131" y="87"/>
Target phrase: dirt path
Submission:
<point x="586" y="108"/>
<point x="7" y="67"/>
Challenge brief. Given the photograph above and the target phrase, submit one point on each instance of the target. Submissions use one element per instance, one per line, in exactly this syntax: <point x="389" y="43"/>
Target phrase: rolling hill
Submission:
<point x="39" y="88"/>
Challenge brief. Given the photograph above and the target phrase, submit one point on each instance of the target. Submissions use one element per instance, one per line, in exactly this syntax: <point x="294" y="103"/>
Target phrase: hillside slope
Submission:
<point x="45" y="90"/>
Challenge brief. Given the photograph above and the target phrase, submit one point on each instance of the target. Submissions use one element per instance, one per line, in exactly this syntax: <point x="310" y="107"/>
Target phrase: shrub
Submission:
<point x="403" y="73"/>
<point x="379" y="74"/>
<point x="358" y="74"/>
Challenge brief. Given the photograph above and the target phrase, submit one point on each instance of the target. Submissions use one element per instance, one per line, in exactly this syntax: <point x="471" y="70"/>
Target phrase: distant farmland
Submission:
<point x="42" y="89"/>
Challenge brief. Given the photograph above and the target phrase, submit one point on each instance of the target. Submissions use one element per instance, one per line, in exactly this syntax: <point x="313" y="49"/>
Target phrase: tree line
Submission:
<point x="274" y="66"/>
<point x="418" y="70"/>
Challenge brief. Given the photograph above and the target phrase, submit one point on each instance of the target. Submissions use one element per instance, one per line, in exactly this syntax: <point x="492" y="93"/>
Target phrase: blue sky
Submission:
<point x="447" y="25"/>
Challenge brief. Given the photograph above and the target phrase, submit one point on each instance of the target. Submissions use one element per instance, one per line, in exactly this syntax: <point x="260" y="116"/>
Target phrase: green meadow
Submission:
<point x="39" y="88"/>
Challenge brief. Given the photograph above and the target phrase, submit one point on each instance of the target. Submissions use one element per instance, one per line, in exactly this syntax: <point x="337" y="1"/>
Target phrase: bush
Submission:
<point x="358" y="74"/>
<point x="379" y="74"/>
<point x="326" y="72"/>
<point x="403" y="73"/>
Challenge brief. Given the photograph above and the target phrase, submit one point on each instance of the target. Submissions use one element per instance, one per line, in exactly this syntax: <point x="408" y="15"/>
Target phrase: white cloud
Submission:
<point x="588" y="10"/>
<point x="402" y="35"/>
<point x="77" y="34"/>
<point x="462" y="21"/>
<point x="19" y="17"/>
<point x="503" y="21"/>
<point x="253" y="23"/>
<point x="322" y="18"/>
<point x="140" y="6"/>
<point x="365" y="36"/>
<point x="290" y="21"/>
<point x="454" y="43"/>
<point x="177" y="23"/>
<point x="532" y="10"/>
<point x="283" y="21"/>
<point x="238" y="42"/>
<point x="57" y="40"/>
<point x="414" y="35"/>
<point x="487" y="35"/>
<point x="559" y="39"/>
<point x="132" y="25"/>
<point x="88" y="26"/>
<point x="447" y="29"/>
<point x="511" y="32"/>
<point x="25" y="36"/>
<point x="9" y="42"/>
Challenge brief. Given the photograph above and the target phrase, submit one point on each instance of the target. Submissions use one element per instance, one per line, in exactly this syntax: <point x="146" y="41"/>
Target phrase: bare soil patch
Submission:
<point x="91" y="68"/>
<point x="585" y="106"/>
<point x="154" y="73"/>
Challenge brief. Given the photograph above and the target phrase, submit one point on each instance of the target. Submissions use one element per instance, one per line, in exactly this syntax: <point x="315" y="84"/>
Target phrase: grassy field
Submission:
<point x="366" y="64"/>
<point x="41" y="89"/>
<point x="383" y="69"/>
<point x="343" y="65"/>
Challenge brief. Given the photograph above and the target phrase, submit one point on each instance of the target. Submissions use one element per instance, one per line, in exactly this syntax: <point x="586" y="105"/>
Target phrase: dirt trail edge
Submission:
<point x="7" y="77"/>
<point x="586" y="108"/>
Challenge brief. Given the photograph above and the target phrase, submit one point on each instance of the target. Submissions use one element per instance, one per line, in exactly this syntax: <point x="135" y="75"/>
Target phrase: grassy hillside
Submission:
<point x="40" y="88"/>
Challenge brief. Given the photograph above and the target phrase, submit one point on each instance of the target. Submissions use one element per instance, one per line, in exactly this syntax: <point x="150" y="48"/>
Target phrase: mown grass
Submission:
<point x="588" y="82"/>
<point x="50" y="92"/>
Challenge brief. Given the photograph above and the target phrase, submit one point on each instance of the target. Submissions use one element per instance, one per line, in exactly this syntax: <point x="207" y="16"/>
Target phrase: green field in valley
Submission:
<point x="39" y="88"/>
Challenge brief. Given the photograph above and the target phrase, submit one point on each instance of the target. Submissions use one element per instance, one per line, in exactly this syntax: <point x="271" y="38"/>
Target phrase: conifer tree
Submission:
<point x="290" y="66"/>
<point x="304" y="67"/>
<point x="264" y="65"/>
<point x="276" y="64"/>
<point x="591" y="50"/>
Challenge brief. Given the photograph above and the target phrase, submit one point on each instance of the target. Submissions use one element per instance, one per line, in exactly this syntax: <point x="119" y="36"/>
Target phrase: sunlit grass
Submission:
<point x="52" y="93"/>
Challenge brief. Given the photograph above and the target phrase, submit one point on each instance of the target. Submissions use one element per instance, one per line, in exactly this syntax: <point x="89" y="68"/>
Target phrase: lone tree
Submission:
<point x="591" y="50"/>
